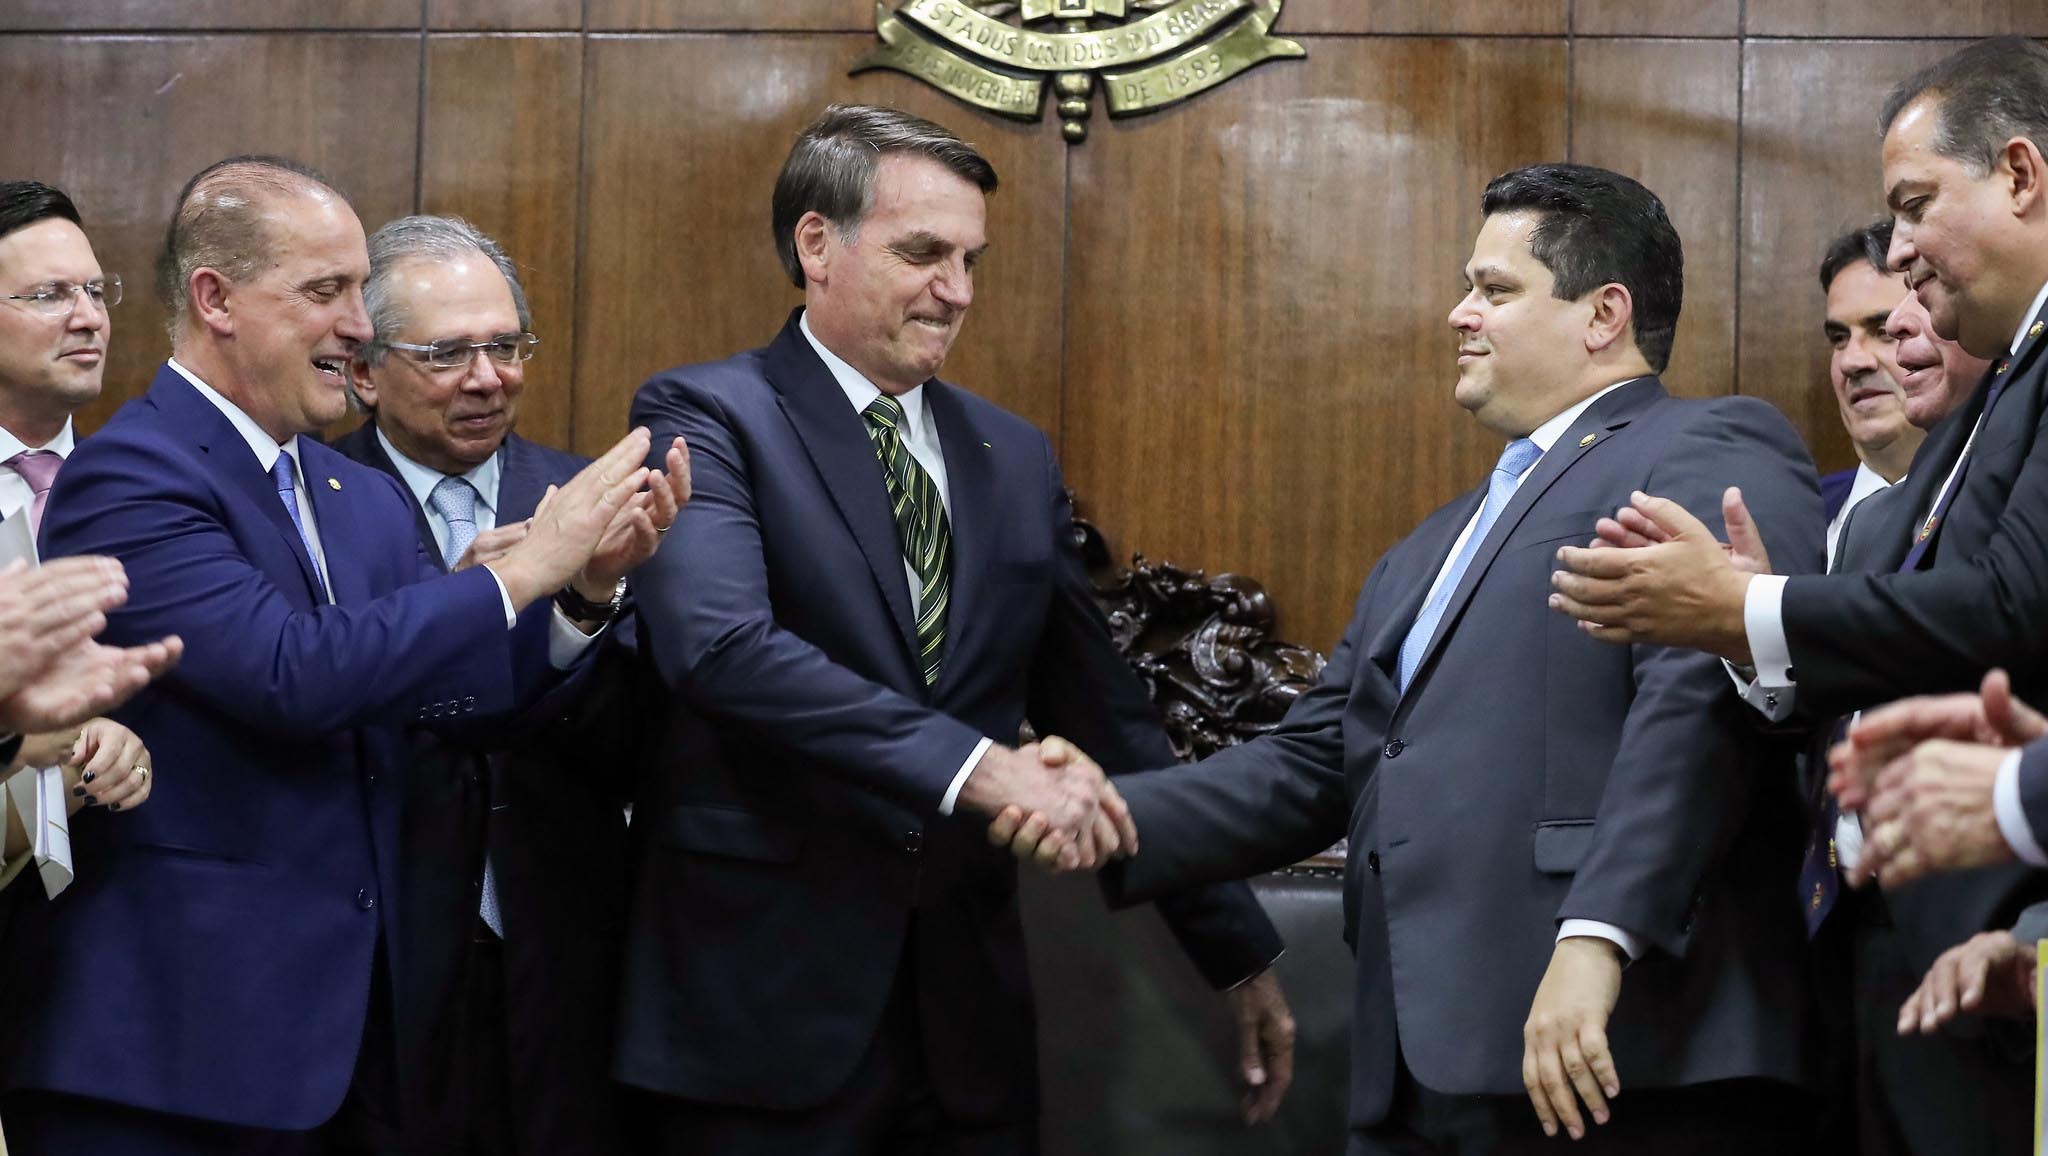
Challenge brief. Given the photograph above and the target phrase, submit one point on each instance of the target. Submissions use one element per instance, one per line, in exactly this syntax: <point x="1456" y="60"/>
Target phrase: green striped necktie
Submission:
<point x="920" y="526"/>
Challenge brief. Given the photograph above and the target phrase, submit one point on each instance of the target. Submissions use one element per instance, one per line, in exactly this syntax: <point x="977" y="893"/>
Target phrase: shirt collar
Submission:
<point x="859" y="390"/>
<point x="2033" y="310"/>
<point x="1546" y="435"/>
<point x="1866" y="482"/>
<point x="421" y="480"/>
<point x="260" y="443"/>
<point x="59" y="445"/>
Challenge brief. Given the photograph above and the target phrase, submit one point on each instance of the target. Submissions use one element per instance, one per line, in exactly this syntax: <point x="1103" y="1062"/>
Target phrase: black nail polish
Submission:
<point x="78" y="791"/>
<point x="87" y="777"/>
<point x="113" y="806"/>
<point x="90" y="801"/>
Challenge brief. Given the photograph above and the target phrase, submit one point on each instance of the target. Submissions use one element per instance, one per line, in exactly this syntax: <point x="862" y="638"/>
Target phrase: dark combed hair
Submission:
<point x="1988" y="93"/>
<point x="831" y="169"/>
<point x="1871" y="243"/>
<point x="1599" y="228"/>
<point x="23" y="203"/>
<point x="218" y="223"/>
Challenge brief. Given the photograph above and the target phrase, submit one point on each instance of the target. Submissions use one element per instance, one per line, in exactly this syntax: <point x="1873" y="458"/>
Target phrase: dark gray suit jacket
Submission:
<point x="1531" y="774"/>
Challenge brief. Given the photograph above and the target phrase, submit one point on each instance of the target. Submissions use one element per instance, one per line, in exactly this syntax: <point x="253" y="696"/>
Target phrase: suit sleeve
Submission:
<point x="713" y="635"/>
<point x="1260" y="806"/>
<point x="1082" y="689"/>
<point x="438" y="647"/>
<point x="1679" y="787"/>
<point x="1943" y="626"/>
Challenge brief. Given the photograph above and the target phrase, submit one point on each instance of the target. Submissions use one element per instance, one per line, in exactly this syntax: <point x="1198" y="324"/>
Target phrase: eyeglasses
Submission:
<point x="59" y="298"/>
<point x="455" y="353"/>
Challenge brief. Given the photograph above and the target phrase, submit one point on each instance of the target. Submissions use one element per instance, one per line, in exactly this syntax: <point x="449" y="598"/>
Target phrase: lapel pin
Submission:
<point x="987" y="446"/>
<point x="2003" y="366"/>
<point x="334" y="483"/>
<point x="1587" y="440"/>
<point x="2036" y="330"/>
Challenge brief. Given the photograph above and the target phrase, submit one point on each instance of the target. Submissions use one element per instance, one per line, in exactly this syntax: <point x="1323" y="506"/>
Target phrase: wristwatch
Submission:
<point x="582" y="609"/>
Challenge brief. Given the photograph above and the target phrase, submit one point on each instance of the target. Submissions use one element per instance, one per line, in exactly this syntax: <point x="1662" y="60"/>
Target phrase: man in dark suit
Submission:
<point x="874" y="586"/>
<point x="1863" y="370"/>
<point x="513" y="859"/>
<point x="217" y="979"/>
<point x="1529" y="812"/>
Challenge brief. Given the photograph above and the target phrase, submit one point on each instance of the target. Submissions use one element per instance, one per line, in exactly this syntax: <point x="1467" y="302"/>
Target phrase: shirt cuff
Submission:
<point x="1628" y="943"/>
<point x="1763" y="621"/>
<point x="566" y="640"/>
<point x="1772" y="702"/>
<point x="505" y="596"/>
<point x="960" y="777"/>
<point x="2012" y="815"/>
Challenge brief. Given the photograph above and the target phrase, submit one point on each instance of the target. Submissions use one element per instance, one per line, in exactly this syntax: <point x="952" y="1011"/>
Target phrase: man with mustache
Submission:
<point x="1863" y="370"/>
<point x="511" y="962"/>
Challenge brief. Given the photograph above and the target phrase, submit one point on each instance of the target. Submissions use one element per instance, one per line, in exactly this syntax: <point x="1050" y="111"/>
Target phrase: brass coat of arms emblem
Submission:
<point x="1145" y="54"/>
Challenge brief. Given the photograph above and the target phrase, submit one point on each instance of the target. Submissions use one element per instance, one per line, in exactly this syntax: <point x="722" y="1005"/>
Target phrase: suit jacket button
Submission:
<point x="913" y="841"/>
<point x="1393" y="749"/>
<point x="469" y="703"/>
<point x="1372" y="862"/>
<point x="364" y="900"/>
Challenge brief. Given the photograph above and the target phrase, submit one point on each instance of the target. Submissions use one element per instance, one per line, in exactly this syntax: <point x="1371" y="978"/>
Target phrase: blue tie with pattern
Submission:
<point x="455" y="500"/>
<point x="1514" y="461"/>
<point x="288" y="493"/>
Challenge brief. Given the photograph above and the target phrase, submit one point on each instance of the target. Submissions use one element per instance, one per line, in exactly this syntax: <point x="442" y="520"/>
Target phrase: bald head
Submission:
<point x="222" y="222"/>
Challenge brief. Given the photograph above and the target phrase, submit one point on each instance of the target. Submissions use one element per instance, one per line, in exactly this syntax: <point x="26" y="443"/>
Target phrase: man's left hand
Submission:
<point x="1564" y="1043"/>
<point x="635" y="531"/>
<point x="1932" y="811"/>
<point x="1990" y="974"/>
<point x="1265" y="1044"/>
<point x="1682" y="591"/>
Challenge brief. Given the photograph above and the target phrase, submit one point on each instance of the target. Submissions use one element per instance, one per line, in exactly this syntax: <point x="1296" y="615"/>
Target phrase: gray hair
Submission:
<point x="1986" y="94"/>
<point x="218" y="224"/>
<point x="831" y="169"/>
<point x="425" y="238"/>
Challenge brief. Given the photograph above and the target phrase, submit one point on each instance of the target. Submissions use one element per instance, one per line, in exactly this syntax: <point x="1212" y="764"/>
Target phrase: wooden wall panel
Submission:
<point x="1663" y="112"/>
<point x="685" y="137"/>
<point x="1656" y="17"/>
<point x="1259" y="361"/>
<point x="726" y="16"/>
<point x="1902" y="18"/>
<point x="1810" y="170"/>
<point x="72" y="16"/>
<point x="156" y="110"/>
<point x="501" y="147"/>
<point x="1425" y="17"/>
<point x="505" y="15"/>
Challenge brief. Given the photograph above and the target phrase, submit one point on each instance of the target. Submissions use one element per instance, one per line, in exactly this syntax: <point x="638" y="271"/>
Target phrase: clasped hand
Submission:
<point x="1051" y="804"/>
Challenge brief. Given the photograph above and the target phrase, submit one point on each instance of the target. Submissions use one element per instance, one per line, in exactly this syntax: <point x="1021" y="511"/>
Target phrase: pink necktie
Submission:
<point x="38" y="468"/>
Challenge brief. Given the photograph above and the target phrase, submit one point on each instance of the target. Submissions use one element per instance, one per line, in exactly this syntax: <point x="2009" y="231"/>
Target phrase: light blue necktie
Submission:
<point x="455" y="499"/>
<point x="288" y="493"/>
<point x="1517" y="458"/>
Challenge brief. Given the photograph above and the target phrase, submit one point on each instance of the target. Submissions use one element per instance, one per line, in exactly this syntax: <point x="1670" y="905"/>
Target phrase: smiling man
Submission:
<point x="1863" y="369"/>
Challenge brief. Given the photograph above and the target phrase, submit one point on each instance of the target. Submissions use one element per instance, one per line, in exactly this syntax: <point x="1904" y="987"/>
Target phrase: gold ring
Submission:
<point x="140" y="772"/>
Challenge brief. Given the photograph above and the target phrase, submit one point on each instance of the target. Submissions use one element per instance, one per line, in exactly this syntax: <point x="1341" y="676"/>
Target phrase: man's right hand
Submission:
<point x="49" y="609"/>
<point x="87" y="680"/>
<point x="570" y="522"/>
<point x="1880" y="737"/>
<point x="1052" y="804"/>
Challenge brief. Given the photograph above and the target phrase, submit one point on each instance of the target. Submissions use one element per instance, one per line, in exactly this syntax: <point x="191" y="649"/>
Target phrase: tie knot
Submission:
<point x="281" y="473"/>
<point x="884" y="411"/>
<point x="455" y="498"/>
<point x="37" y="467"/>
<point x="1519" y="456"/>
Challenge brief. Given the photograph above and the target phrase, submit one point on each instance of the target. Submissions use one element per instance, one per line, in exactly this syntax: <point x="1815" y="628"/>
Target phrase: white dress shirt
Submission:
<point x="1545" y="436"/>
<point x="45" y="783"/>
<point x="920" y="435"/>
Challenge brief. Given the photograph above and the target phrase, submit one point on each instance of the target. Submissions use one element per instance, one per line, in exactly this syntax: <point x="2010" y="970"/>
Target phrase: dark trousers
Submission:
<point x="1745" y="1117"/>
<point x="472" y="1115"/>
<point x="54" y="1124"/>
<point x="887" y="1108"/>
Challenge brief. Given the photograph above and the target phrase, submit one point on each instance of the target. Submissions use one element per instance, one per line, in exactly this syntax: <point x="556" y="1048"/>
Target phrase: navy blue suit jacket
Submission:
<point x="213" y="958"/>
<point x="1528" y="775"/>
<point x="1834" y="490"/>
<point x="792" y="855"/>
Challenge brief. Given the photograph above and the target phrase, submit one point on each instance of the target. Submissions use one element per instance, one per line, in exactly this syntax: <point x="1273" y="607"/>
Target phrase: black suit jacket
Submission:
<point x="792" y="854"/>
<point x="545" y="794"/>
<point x="1529" y="775"/>
<point x="1979" y="598"/>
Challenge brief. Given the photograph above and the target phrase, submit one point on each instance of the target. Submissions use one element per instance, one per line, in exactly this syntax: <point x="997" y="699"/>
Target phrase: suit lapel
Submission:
<point x="364" y="446"/>
<point x="232" y="460"/>
<point x="335" y="513"/>
<point x="836" y="439"/>
<point x="1430" y="549"/>
<point x="970" y="492"/>
<point x="521" y="481"/>
<point x="1585" y="436"/>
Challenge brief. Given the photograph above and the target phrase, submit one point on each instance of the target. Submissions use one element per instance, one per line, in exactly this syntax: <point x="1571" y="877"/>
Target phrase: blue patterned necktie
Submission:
<point x="288" y="493"/>
<point x="455" y="500"/>
<point x="1514" y="461"/>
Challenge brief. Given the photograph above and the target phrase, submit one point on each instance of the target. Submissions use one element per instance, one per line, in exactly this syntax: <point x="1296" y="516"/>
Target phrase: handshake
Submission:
<point x="1050" y="803"/>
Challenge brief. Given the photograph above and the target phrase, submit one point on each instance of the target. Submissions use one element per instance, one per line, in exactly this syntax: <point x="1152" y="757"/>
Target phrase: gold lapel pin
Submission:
<point x="1587" y="440"/>
<point x="334" y="483"/>
<point x="2036" y="330"/>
